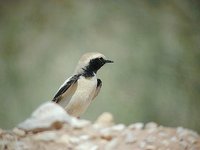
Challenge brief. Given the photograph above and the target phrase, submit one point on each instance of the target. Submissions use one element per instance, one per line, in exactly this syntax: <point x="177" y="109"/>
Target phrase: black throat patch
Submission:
<point x="94" y="65"/>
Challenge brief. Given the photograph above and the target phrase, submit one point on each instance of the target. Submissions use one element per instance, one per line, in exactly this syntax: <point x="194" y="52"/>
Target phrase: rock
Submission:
<point x="165" y="142"/>
<point x="85" y="137"/>
<point x="112" y="144"/>
<point x="79" y="124"/>
<point x="63" y="139"/>
<point x="150" y="139"/>
<point x="173" y="139"/>
<point x="1" y="131"/>
<point x="48" y="115"/>
<point x="106" y="119"/>
<point x="184" y="144"/>
<point x="87" y="146"/>
<point x="106" y="134"/>
<point x="19" y="132"/>
<point x="142" y="144"/>
<point x="151" y="125"/>
<point x="192" y="140"/>
<point x="136" y="126"/>
<point x="130" y="138"/>
<point x="118" y="127"/>
<point x="78" y="134"/>
<point x="20" y="145"/>
<point x="46" y="136"/>
<point x="74" y="140"/>
<point x="163" y="134"/>
<point x="150" y="147"/>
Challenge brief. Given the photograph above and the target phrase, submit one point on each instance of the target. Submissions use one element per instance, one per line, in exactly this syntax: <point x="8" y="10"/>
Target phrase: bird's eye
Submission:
<point x="101" y="58"/>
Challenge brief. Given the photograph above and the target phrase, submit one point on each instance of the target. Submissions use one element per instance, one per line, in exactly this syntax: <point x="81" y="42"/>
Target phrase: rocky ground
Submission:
<point x="50" y="128"/>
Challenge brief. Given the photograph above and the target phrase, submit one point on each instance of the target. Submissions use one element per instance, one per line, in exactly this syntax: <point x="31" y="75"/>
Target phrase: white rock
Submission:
<point x="165" y="142"/>
<point x="142" y="144"/>
<point x="151" y="130"/>
<point x="151" y="125"/>
<point x="19" y="145"/>
<point x="106" y="133"/>
<point x="118" y="127"/>
<point x="84" y="137"/>
<point x="45" y="116"/>
<point x="136" y="126"/>
<point x="174" y="139"/>
<point x="105" y="119"/>
<point x="19" y="132"/>
<point x="130" y="138"/>
<point x="192" y="140"/>
<point x="192" y="133"/>
<point x="46" y="136"/>
<point x="150" y="139"/>
<point x="79" y="123"/>
<point x="74" y="140"/>
<point x="1" y="131"/>
<point x="87" y="146"/>
<point x="163" y="134"/>
<point x="181" y="132"/>
<point x="184" y="144"/>
<point x="150" y="147"/>
<point x="186" y="132"/>
<point x="112" y="144"/>
<point x="63" y="139"/>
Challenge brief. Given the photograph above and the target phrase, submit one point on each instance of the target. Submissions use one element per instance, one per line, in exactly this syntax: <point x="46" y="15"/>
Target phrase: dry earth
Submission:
<point x="50" y="128"/>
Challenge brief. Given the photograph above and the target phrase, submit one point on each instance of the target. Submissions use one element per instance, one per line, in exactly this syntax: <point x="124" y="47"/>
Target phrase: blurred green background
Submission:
<point x="155" y="46"/>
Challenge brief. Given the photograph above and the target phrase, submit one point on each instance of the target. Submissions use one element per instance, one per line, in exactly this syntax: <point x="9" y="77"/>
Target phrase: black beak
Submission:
<point x="109" y="61"/>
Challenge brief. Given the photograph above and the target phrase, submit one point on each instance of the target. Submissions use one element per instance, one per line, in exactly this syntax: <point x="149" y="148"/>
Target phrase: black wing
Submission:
<point x="64" y="88"/>
<point x="98" y="88"/>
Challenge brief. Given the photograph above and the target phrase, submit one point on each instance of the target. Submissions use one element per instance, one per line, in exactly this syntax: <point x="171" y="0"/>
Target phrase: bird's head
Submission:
<point x="91" y="62"/>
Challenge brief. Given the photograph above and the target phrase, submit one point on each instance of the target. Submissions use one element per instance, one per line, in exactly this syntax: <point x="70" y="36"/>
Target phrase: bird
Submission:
<point x="80" y="89"/>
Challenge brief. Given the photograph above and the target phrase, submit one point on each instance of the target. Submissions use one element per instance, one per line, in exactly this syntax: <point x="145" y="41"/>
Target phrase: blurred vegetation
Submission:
<point x="155" y="46"/>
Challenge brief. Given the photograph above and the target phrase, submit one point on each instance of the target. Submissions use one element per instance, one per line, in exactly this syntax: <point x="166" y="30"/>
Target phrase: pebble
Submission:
<point x="163" y="134"/>
<point x="130" y="138"/>
<point x="174" y="139"/>
<point x="186" y="132"/>
<point x="74" y="140"/>
<point x="87" y="146"/>
<point x="193" y="133"/>
<point x="19" y="132"/>
<point x="63" y="139"/>
<point x="105" y="119"/>
<point x="184" y="144"/>
<point x="165" y="142"/>
<point x="142" y="144"/>
<point x="79" y="124"/>
<point x="150" y="147"/>
<point x="151" y="125"/>
<point x="112" y="144"/>
<point x="182" y="132"/>
<point x="46" y="136"/>
<point x="1" y="131"/>
<point x="85" y="137"/>
<point x="118" y="127"/>
<point x="151" y="130"/>
<point x="106" y="134"/>
<point x="20" y="145"/>
<point x="150" y="139"/>
<point x="192" y="140"/>
<point x="136" y="126"/>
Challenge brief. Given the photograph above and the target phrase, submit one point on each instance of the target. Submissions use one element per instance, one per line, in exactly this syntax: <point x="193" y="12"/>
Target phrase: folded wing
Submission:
<point x="98" y="88"/>
<point x="66" y="90"/>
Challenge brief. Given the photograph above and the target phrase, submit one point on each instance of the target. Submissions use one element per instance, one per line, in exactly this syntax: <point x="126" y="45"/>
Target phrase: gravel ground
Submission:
<point x="71" y="133"/>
